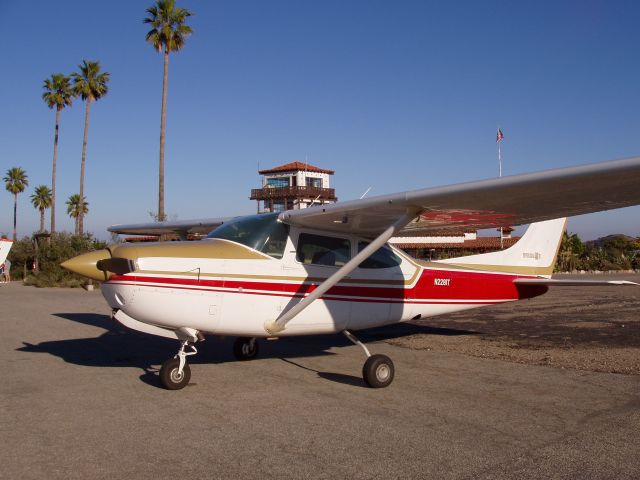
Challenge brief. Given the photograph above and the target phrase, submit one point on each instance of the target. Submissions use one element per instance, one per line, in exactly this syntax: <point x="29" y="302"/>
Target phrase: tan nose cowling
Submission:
<point x="85" y="265"/>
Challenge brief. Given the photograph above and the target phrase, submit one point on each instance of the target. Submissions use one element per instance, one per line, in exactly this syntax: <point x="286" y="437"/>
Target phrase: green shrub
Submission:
<point x="51" y="252"/>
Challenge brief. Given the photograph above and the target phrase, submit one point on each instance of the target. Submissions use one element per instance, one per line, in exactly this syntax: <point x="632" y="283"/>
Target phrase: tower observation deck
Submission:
<point x="292" y="186"/>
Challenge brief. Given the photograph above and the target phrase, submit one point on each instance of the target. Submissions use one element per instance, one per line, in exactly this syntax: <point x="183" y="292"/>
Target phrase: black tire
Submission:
<point x="378" y="371"/>
<point x="169" y="377"/>
<point x="242" y="349"/>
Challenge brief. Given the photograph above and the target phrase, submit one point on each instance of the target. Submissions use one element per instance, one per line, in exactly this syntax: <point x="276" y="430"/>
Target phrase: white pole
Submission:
<point x="499" y="159"/>
<point x="500" y="175"/>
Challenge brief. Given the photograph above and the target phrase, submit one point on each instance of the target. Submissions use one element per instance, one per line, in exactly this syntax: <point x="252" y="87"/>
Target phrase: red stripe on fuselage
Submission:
<point x="433" y="285"/>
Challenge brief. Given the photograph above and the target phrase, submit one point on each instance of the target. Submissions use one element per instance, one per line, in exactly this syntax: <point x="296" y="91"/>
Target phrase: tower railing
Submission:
<point x="268" y="193"/>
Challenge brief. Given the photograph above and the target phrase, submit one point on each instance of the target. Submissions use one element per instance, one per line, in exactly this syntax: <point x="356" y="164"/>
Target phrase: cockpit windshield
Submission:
<point x="260" y="232"/>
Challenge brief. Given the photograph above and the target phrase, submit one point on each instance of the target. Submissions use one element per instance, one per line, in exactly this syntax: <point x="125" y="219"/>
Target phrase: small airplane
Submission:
<point x="329" y="268"/>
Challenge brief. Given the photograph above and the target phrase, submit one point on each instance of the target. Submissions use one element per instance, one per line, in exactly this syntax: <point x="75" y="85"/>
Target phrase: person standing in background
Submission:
<point x="6" y="277"/>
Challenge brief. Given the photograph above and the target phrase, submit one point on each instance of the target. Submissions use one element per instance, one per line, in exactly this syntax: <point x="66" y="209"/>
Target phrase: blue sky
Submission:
<point x="392" y="95"/>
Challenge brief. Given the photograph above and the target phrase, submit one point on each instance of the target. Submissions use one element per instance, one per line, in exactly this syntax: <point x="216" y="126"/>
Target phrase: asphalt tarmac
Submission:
<point x="80" y="398"/>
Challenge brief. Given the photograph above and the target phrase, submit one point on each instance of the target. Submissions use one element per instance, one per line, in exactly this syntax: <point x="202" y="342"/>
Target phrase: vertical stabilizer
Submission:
<point x="534" y="254"/>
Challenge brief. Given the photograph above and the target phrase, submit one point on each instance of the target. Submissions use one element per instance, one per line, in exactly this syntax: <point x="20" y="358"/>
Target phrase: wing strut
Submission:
<point x="273" y="327"/>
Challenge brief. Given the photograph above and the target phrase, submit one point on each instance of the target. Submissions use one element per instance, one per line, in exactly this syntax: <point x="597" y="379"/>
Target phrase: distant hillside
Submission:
<point x="616" y="238"/>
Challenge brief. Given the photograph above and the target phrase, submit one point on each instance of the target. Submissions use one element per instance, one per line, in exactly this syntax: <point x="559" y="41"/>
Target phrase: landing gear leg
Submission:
<point x="245" y="348"/>
<point x="378" y="370"/>
<point x="175" y="372"/>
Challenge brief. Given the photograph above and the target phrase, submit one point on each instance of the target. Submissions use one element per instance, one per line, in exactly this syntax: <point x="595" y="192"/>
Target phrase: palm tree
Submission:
<point x="91" y="85"/>
<point x="168" y="34"/>
<point x="58" y="94"/>
<point x="15" y="182"/>
<point x="76" y="208"/>
<point x="571" y="249"/>
<point x="42" y="199"/>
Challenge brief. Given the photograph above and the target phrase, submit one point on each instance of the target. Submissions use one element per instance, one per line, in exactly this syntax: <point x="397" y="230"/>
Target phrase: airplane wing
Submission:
<point x="506" y="201"/>
<point x="183" y="227"/>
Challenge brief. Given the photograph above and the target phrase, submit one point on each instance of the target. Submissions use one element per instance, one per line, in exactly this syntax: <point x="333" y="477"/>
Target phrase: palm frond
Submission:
<point x="16" y="180"/>
<point x="169" y="31"/>
<point x="88" y="83"/>
<point x="58" y="92"/>
<point x="75" y="206"/>
<point x="41" y="198"/>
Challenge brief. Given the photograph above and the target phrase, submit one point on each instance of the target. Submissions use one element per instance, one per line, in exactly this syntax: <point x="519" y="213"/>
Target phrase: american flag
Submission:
<point x="499" y="135"/>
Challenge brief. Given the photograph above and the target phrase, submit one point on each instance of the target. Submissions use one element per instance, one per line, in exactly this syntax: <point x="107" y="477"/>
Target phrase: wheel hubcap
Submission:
<point x="383" y="372"/>
<point x="176" y="376"/>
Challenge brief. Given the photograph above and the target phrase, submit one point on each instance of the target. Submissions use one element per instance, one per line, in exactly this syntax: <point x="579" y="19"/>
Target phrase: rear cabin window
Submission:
<point x="321" y="250"/>
<point x="381" y="258"/>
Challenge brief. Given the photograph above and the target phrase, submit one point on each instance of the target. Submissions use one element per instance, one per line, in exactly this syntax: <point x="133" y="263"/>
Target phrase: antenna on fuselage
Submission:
<point x="365" y="193"/>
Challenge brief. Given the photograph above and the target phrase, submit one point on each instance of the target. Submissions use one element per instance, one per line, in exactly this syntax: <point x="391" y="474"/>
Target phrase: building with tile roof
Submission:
<point x="291" y="186"/>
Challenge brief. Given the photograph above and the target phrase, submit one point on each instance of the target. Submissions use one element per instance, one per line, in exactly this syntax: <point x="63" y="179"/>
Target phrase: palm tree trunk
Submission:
<point x="53" y="175"/>
<point x="41" y="220"/>
<point x="15" y="212"/>
<point x="80" y="226"/>
<point x="163" y="115"/>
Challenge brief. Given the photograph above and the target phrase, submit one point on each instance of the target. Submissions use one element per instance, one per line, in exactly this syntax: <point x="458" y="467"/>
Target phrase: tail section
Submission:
<point x="534" y="254"/>
<point x="5" y="246"/>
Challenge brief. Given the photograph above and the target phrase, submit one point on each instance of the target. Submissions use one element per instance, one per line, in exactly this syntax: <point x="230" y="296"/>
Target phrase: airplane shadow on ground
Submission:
<point x="121" y="347"/>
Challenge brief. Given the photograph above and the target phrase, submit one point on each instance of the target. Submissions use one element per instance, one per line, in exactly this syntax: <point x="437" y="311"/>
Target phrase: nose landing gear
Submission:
<point x="175" y="373"/>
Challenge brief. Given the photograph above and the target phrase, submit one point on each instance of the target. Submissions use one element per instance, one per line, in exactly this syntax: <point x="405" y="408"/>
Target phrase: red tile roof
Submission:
<point x="479" y="243"/>
<point x="296" y="166"/>
<point x="422" y="232"/>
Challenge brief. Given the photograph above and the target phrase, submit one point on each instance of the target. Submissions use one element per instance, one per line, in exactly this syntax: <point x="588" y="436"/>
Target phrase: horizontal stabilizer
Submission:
<point x="570" y="283"/>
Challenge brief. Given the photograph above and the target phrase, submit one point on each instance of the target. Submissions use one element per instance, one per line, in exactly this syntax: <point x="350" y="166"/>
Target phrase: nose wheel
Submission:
<point x="171" y="377"/>
<point x="175" y="373"/>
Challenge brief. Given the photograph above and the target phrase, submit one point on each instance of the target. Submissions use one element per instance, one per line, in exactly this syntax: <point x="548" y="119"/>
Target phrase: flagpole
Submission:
<point x="500" y="176"/>
<point x="499" y="158"/>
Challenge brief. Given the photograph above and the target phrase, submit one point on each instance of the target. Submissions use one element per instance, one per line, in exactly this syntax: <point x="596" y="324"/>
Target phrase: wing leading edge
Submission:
<point x="513" y="200"/>
<point x="183" y="227"/>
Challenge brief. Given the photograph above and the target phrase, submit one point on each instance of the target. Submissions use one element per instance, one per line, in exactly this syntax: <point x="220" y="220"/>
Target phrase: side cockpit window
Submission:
<point x="321" y="250"/>
<point x="382" y="258"/>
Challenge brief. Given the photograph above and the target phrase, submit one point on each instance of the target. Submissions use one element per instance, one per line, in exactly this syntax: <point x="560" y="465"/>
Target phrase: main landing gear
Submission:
<point x="378" y="371"/>
<point x="245" y="348"/>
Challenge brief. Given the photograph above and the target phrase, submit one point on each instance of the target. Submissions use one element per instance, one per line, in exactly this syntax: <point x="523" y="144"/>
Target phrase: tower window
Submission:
<point x="314" y="182"/>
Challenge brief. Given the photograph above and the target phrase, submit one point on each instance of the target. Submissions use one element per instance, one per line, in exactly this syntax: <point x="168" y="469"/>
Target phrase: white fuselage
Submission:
<point x="236" y="296"/>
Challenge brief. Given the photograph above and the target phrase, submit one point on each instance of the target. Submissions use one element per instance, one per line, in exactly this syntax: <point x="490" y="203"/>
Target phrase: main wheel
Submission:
<point x="170" y="378"/>
<point x="378" y="371"/>
<point x="244" y="349"/>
